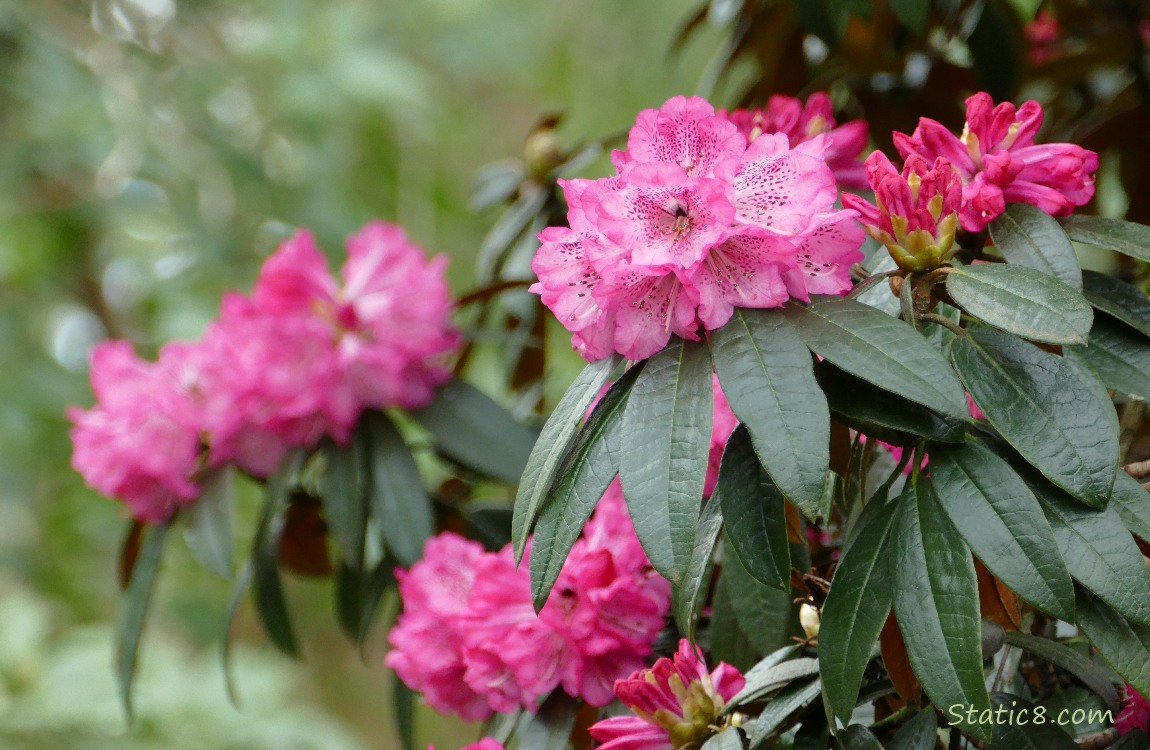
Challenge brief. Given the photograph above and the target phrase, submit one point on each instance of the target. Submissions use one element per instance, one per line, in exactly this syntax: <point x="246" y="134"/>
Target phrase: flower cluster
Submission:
<point x="298" y="360"/>
<point x="999" y="162"/>
<point x="697" y="221"/>
<point x="801" y="122"/>
<point x="676" y="703"/>
<point x="471" y="642"/>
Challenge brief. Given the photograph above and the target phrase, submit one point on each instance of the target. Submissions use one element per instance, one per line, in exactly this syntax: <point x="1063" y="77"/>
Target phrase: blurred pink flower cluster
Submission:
<point x="471" y="642"/>
<point x="676" y="703"/>
<point x="999" y="162"/>
<point x="698" y="221"/>
<point x="299" y="359"/>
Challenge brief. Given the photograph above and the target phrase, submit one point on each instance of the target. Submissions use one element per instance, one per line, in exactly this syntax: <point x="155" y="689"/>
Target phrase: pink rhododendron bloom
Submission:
<point x="675" y="703"/>
<point x="801" y="122"/>
<point x="1043" y="34"/>
<point x="999" y="162"/>
<point x="1135" y="713"/>
<point x="480" y="647"/>
<point x="723" y="424"/>
<point x="917" y="212"/>
<point x="140" y="443"/>
<point x="686" y="132"/>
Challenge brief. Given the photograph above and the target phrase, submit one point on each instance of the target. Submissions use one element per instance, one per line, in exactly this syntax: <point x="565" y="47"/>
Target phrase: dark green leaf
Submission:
<point x="507" y="228"/>
<point x="879" y="413"/>
<point x="1133" y="740"/>
<point x="879" y="296"/>
<point x="399" y="503"/>
<point x="879" y="349"/>
<point x="936" y="602"/>
<point x="996" y="52"/>
<point x="1028" y="236"/>
<point x="1099" y="552"/>
<point x="667" y="422"/>
<point x="1118" y="355"/>
<point x="267" y="589"/>
<point x="1030" y="735"/>
<point x="767" y="377"/>
<point x="728" y="642"/>
<point x="1124" y="301"/>
<point x="208" y="522"/>
<point x="1133" y="504"/>
<point x="403" y="704"/>
<point x="470" y="428"/>
<point x="692" y="590"/>
<point x="580" y="482"/>
<point x="997" y="515"/>
<point x="727" y="739"/>
<point x="769" y="675"/>
<point x="374" y="587"/>
<point x="134" y="608"/>
<point x="1125" y="237"/>
<point x="763" y="613"/>
<point x="1094" y="676"/>
<point x="856" y="608"/>
<point x="1123" y="644"/>
<point x="790" y="699"/>
<point x="1022" y="301"/>
<point x="550" y="727"/>
<point x="239" y="589"/>
<point x="858" y="737"/>
<point x="920" y="733"/>
<point x="755" y="513"/>
<point x="349" y="599"/>
<point x="344" y="504"/>
<point x="553" y="445"/>
<point x="1052" y="410"/>
<point x="912" y="13"/>
<point x="495" y="183"/>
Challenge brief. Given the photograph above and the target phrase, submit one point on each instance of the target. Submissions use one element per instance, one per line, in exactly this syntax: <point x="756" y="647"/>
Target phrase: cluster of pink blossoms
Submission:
<point x="471" y="642"/>
<point x="298" y="360"/>
<point x="676" y="703"/>
<point x="698" y="221"/>
<point x="1135" y="713"/>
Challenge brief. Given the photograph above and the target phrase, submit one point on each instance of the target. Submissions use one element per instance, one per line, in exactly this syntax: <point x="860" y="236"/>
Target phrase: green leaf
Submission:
<point x="919" y="733"/>
<point x="267" y="589"/>
<point x="667" y="422"/>
<point x="858" y="737"/>
<point x="691" y="591"/>
<point x="881" y="414"/>
<point x="767" y="376"/>
<point x="242" y="582"/>
<point x="1133" y="504"/>
<point x="763" y="613"/>
<point x="1029" y="736"/>
<point x="403" y="706"/>
<point x="399" y="503"/>
<point x="1022" y="301"/>
<point x="755" y="513"/>
<point x="1099" y="679"/>
<point x="727" y="739"/>
<point x="1028" y="236"/>
<point x="1125" y="237"/>
<point x="550" y="727"/>
<point x="790" y="699"/>
<point x="471" y="429"/>
<point x="348" y="588"/>
<point x="856" y="609"/>
<point x="936" y="602"/>
<point x="588" y="469"/>
<point x="344" y="504"/>
<point x="1119" y="356"/>
<point x="377" y="582"/>
<point x="1052" y="410"/>
<point x="1123" y="644"/>
<point x="1000" y="519"/>
<point x="912" y="13"/>
<point x="769" y="675"/>
<point x="552" y="447"/>
<point x="728" y="641"/>
<point x="134" y="608"/>
<point x="208" y="522"/>
<point x="1099" y="551"/>
<point x="1123" y="301"/>
<point x="879" y="349"/>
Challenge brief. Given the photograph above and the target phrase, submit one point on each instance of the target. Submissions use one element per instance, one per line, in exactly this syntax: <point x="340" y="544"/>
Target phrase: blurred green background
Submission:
<point x="152" y="152"/>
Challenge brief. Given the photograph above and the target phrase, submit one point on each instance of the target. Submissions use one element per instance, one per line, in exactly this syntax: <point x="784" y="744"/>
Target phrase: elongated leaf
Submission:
<point x="134" y="608"/>
<point x="691" y="591"/>
<point x="879" y="296"/>
<point x="1123" y="301"/>
<point x="470" y="428"/>
<point x="1049" y="408"/>
<point x="398" y="501"/>
<point x="208" y="522"/>
<point x="1022" y="301"/>
<point x="767" y="676"/>
<point x="1132" y="502"/>
<point x="881" y="350"/>
<point x="856" y="608"/>
<point x="349" y="598"/>
<point x="789" y="700"/>
<point x="1118" y="355"/>
<point x="403" y="704"/>
<point x="728" y="641"/>
<point x="344" y="503"/>
<point x="587" y="471"/>
<point x="858" y="737"/>
<point x="1094" y="676"/>
<point x="936" y="602"/>
<point x="762" y="612"/>
<point x="759" y="680"/>
<point x="377" y="582"/>
<point x="267" y="589"/>
<point x="728" y="739"/>
<point x="1123" y="644"/>
<point x="667" y="422"/>
<point x="1028" y="236"/>
<point x="1099" y="552"/>
<point x="239" y="591"/>
<point x="755" y="513"/>
<point x="1000" y="519"/>
<point x="550" y="727"/>
<point x="1125" y="237"/>
<point x="553" y="445"/>
<point x="919" y="733"/>
<point x="767" y="376"/>
<point x="1030" y="735"/>
<point x="881" y="414"/>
